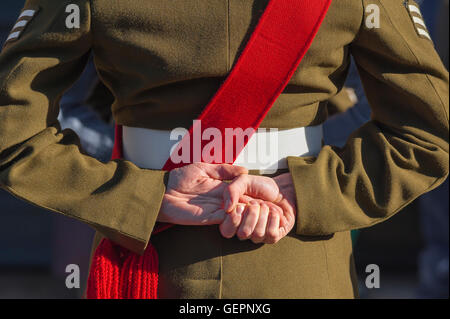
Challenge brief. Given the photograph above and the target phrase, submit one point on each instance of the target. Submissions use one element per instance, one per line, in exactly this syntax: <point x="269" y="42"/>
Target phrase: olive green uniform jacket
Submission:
<point x="163" y="60"/>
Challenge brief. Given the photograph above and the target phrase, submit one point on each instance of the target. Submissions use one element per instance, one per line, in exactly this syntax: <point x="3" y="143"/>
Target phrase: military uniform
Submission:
<point x="163" y="60"/>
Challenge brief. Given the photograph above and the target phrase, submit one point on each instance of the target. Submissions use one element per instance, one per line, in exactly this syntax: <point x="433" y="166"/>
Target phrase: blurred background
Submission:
<point x="411" y="249"/>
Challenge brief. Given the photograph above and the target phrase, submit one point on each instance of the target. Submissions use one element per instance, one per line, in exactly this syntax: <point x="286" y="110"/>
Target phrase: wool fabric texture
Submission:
<point x="283" y="35"/>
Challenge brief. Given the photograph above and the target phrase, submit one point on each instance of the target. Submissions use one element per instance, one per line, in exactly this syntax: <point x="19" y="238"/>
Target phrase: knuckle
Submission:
<point x="259" y="234"/>
<point x="275" y="215"/>
<point x="235" y="223"/>
<point x="244" y="233"/>
<point x="257" y="240"/>
<point x="278" y="211"/>
<point x="239" y="235"/>
<point x="252" y="212"/>
<point x="235" y="220"/>
<point x="271" y="234"/>
<point x="226" y="233"/>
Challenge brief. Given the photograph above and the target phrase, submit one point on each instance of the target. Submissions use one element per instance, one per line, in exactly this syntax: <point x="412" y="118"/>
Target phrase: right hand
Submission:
<point x="194" y="194"/>
<point x="269" y="213"/>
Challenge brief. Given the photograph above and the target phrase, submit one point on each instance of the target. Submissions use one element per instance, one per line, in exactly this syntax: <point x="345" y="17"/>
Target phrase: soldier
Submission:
<point x="164" y="60"/>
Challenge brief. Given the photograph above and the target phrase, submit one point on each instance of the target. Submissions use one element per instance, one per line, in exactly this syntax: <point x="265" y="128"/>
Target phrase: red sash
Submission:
<point x="282" y="37"/>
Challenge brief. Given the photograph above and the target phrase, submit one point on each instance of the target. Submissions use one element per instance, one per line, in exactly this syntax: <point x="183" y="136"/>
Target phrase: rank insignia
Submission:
<point x="24" y="19"/>
<point x="419" y="23"/>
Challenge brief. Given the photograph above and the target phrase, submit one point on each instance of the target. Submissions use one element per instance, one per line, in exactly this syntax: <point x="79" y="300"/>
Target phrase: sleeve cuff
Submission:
<point x="314" y="216"/>
<point x="133" y="230"/>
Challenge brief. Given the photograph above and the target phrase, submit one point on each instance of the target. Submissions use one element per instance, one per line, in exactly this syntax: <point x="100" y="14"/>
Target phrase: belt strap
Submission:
<point x="266" y="151"/>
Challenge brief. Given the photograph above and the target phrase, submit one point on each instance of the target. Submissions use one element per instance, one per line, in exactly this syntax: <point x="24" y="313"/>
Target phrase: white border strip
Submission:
<point x="413" y="8"/>
<point x="27" y="13"/>
<point x="13" y="35"/>
<point x="419" y="21"/>
<point x="19" y="24"/>
<point x="424" y="33"/>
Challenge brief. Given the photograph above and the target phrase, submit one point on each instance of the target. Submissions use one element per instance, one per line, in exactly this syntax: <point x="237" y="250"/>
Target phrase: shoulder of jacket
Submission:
<point x="41" y="20"/>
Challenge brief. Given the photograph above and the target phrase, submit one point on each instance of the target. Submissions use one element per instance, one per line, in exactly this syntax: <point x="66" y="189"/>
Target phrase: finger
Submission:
<point x="244" y="199"/>
<point x="289" y="213"/>
<point x="274" y="208"/>
<point x="273" y="228"/>
<point x="260" y="229"/>
<point x="286" y="206"/>
<point x="215" y="218"/>
<point x="223" y="171"/>
<point x="249" y="221"/>
<point x="234" y="192"/>
<point x="231" y="222"/>
<point x="261" y="187"/>
<point x="264" y="188"/>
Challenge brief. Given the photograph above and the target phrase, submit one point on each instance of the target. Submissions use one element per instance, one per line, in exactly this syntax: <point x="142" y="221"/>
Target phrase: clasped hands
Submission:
<point x="257" y="208"/>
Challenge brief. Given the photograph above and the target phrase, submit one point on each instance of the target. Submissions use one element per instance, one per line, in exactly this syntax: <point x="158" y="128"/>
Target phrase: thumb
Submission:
<point x="216" y="217"/>
<point x="258" y="187"/>
<point x="223" y="171"/>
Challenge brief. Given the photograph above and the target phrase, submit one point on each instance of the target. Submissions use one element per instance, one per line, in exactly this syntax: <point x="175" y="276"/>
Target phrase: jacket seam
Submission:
<point x="363" y="14"/>
<point x="418" y="62"/>
<point x="324" y="245"/>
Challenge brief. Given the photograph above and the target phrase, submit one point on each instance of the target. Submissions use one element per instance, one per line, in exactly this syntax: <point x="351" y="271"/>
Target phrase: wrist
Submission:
<point x="284" y="181"/>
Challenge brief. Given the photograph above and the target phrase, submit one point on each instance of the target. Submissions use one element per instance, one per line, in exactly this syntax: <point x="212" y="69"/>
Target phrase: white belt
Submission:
<point x="266" y="151"/>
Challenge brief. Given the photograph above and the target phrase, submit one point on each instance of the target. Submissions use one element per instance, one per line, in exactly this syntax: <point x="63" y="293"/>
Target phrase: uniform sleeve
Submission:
<point x="402" y="152"/>
<point x="43" y="164"/>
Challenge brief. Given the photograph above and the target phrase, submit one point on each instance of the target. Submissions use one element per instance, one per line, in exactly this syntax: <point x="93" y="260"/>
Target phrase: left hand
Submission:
<point x="194" y="194"/>
<point x="269" y="213"/>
